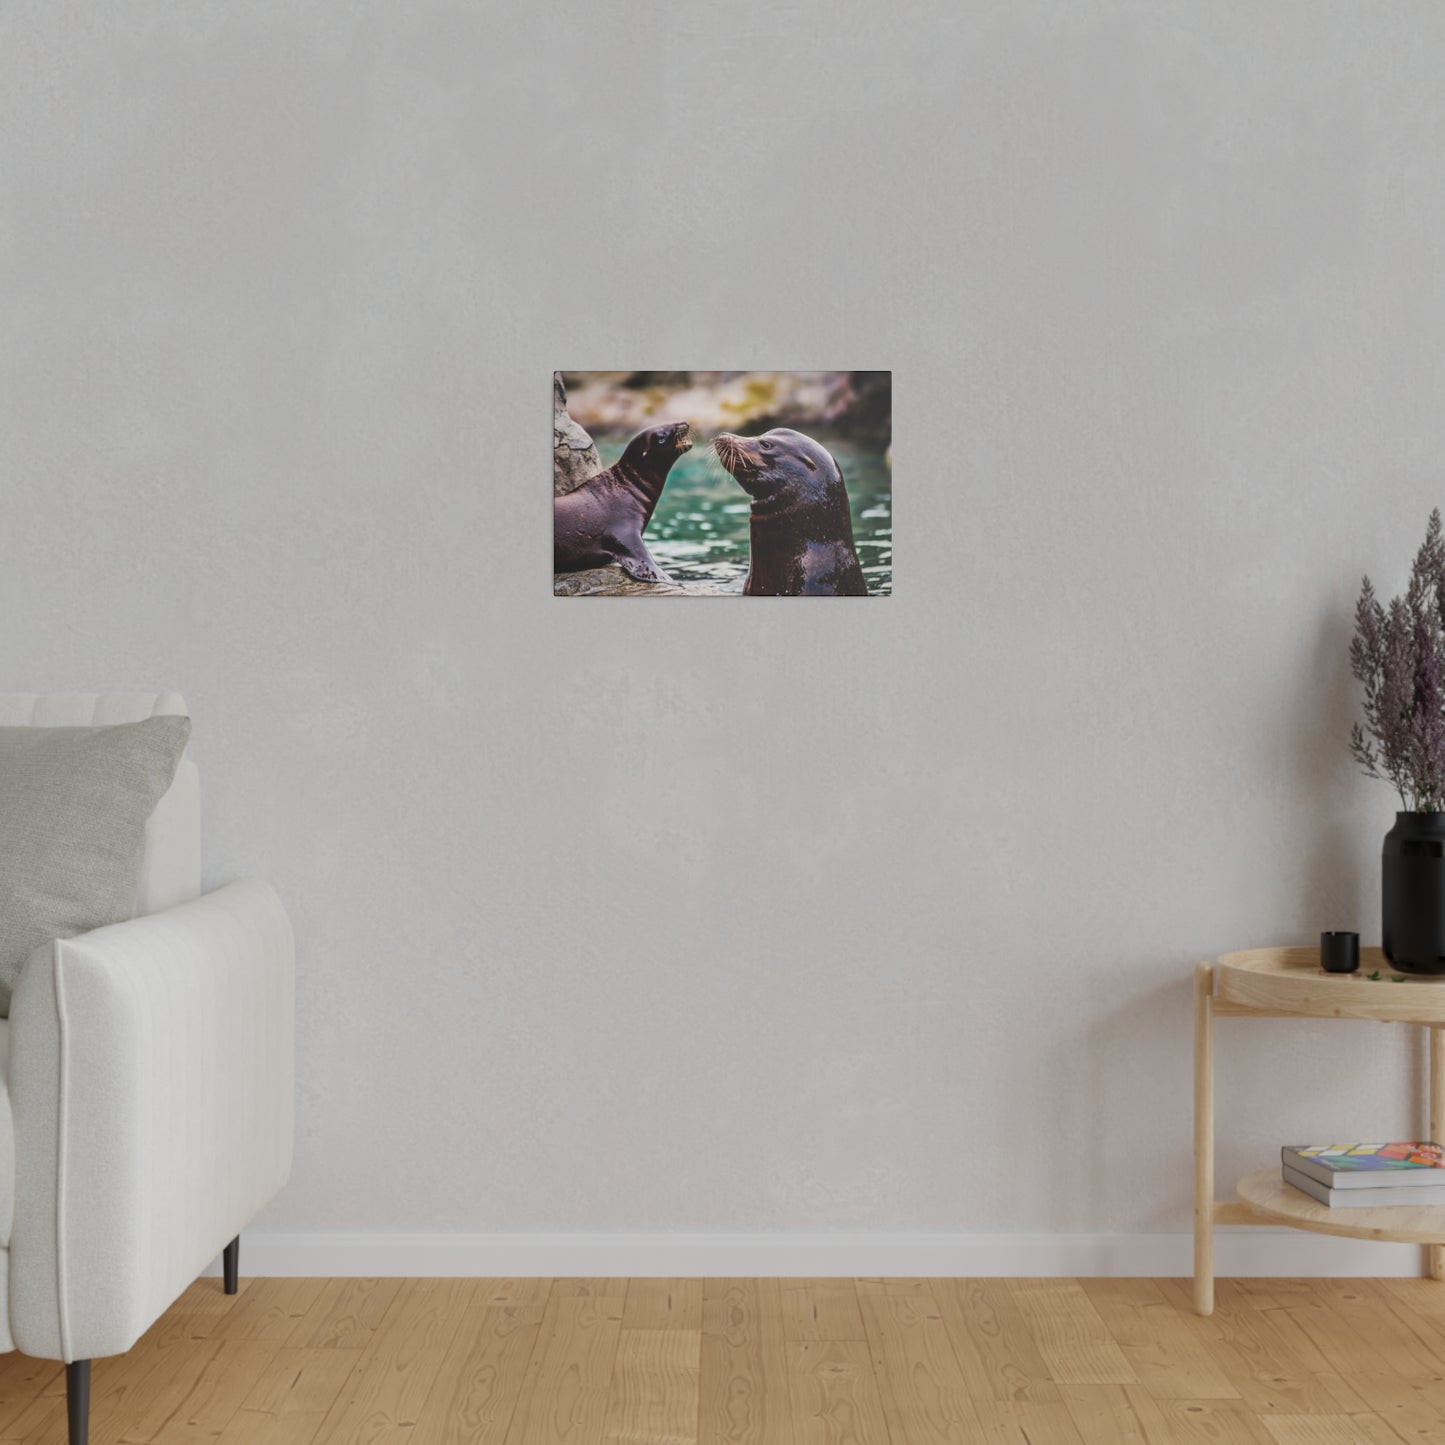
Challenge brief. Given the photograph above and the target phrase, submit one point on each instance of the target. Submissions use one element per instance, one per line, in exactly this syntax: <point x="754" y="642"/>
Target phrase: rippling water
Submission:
<point x="699" y="531"/>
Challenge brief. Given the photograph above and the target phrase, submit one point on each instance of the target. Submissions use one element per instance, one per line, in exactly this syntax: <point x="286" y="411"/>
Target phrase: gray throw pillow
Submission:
<point x="73" y="809"/>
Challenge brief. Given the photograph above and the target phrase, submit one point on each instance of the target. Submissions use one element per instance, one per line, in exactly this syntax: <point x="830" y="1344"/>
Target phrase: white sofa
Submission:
<point x="148" y="1078"/>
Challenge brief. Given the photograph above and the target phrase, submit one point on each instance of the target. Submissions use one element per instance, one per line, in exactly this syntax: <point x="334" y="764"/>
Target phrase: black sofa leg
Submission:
<point x="77" y="1375"/>
<point x="77" y="1401"/>
<point x="231" y="1264"/>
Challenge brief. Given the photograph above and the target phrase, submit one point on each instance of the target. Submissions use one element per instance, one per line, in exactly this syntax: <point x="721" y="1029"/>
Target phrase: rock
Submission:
<point x="574" y="458"/>
<point x="614" y="582"/>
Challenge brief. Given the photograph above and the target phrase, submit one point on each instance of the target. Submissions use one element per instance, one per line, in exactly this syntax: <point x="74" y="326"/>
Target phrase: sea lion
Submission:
<point x="801" y="530"/>
<point x="602" y="521"/>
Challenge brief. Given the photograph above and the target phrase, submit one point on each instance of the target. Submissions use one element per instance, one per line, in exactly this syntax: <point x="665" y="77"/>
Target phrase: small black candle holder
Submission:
<point x="1340" y="952"/>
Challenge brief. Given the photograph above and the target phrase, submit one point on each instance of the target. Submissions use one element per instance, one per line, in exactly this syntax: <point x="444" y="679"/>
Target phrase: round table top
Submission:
<point x="1267" y="1195"/>
<point x="1291" y="981"/>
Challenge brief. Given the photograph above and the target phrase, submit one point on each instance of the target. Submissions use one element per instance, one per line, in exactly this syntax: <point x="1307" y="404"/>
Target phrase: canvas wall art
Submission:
<point x="722" y="483"/>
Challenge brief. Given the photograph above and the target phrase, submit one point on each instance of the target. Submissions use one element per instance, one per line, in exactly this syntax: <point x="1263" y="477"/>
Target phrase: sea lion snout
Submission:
<point x="676" y="435"/>
<point x="739" y="455"/>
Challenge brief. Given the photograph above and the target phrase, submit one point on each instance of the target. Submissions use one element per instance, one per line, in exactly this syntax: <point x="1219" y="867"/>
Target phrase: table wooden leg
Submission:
<point x="1435" y="1253"/>
<point x="1204" y="1138"/>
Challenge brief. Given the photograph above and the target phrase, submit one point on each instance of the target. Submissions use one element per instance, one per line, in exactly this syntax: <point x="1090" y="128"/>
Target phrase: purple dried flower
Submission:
<point x="1427" y="728"/>
<point x="1398" y="654"/>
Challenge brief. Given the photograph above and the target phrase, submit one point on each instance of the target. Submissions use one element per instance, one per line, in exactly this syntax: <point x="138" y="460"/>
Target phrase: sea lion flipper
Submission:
<point x="642" y="568"/>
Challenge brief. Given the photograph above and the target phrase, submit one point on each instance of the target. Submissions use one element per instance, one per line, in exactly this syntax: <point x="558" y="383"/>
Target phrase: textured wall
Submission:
<point x="715" y="915"/>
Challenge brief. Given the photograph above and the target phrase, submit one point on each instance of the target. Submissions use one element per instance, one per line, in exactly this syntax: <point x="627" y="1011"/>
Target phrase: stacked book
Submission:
<point x="1367" y="1176"/>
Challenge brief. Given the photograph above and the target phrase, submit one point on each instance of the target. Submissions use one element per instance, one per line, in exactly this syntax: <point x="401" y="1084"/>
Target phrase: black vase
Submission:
<point x="1414" y="893"/>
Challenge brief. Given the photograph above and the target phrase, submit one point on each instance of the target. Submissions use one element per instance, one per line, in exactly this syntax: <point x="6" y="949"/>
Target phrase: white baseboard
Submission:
<point x="1246" y="1252"/>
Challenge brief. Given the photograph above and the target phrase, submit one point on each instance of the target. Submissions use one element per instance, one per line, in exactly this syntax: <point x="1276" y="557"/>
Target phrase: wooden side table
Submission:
<point x="1268" y="983"/>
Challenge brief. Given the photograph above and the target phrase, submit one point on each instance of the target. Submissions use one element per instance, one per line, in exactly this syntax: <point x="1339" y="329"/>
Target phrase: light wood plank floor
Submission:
<point x="765" y="1362"/>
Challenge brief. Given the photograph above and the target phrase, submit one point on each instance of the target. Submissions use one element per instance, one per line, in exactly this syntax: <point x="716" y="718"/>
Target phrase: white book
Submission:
<point x="1409" y="1194"/>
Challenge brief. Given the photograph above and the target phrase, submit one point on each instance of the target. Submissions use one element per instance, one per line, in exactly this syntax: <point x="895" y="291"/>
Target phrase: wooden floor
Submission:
<point x="765" y="1362"/>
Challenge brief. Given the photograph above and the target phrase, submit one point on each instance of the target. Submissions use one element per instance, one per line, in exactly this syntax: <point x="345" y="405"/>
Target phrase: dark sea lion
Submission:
<point x="802" y="533"/>
<point x="602" y="521"/>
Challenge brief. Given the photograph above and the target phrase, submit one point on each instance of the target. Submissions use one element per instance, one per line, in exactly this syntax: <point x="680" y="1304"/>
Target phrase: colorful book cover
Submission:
<point x="1366" y="1158"/>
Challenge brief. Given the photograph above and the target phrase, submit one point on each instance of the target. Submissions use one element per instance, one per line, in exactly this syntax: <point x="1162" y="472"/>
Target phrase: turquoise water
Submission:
<point x="699" y="531"/>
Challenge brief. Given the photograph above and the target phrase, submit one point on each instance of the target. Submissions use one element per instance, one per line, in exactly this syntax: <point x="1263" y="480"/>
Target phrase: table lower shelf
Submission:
<point x="1268" y="1197"/>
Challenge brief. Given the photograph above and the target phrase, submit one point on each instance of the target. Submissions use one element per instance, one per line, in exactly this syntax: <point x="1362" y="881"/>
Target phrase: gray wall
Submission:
<point x="714" y="915"/>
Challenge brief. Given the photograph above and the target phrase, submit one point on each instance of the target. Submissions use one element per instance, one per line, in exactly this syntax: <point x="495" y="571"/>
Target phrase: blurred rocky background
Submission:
<point x="857" y="404"/>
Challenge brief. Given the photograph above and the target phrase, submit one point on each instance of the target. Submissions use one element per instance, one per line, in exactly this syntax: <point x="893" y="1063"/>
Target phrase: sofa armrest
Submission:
<point x="151" y="1081"/>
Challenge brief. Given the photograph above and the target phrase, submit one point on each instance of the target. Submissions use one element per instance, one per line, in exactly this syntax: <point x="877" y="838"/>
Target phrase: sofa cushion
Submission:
<point x="74" y="802"/>
<point x="171" y="872"/>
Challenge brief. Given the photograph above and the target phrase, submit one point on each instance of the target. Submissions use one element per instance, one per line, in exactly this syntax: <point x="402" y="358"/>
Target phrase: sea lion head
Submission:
<point x="657" y="448"/>
<point x="782" y="465"/>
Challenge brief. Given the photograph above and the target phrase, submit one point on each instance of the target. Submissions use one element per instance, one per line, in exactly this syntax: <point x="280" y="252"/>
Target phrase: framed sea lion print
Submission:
<point x="722" y="483"/>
